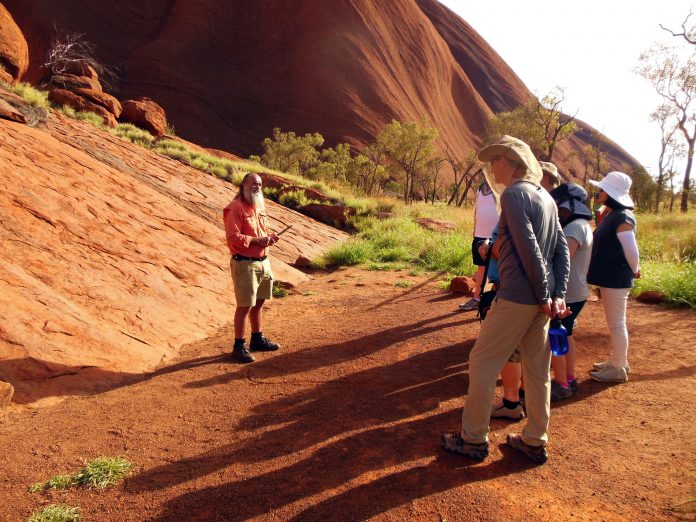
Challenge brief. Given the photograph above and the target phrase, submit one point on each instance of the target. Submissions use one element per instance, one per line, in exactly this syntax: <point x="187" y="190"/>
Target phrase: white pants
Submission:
<point x="615" y="301"/>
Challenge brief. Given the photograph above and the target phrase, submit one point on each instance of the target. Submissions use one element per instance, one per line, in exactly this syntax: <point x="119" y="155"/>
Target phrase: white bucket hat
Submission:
<point x="617" y="186"/>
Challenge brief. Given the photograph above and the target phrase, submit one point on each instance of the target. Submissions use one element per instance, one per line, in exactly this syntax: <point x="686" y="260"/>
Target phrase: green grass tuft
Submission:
<point x="29" y="94"/>
<point x="56" y="513"/>
<point x="403" y="284"/>
<point x="280" y="292"/>
<point x="97" y="473"/>
<point x="102" y="472"/>
<point x="133" y="134"/>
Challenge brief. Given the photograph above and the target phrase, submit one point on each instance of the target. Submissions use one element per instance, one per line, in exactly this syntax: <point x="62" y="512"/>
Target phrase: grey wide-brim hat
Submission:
<point x="515" y="150"/>
<point x="550" y="169"/>
<point x="617" y="185"/>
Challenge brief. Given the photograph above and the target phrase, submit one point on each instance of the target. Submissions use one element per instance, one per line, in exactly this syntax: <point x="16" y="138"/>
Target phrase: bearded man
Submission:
<point x="246" y="230"/>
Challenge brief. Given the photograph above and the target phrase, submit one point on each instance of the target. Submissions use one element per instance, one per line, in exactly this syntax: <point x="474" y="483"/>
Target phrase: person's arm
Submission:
<point x="573" y="246"/>
<point x="523" y="241"/>
<point x="627" y="238"/>
<point x="561" y="263"/>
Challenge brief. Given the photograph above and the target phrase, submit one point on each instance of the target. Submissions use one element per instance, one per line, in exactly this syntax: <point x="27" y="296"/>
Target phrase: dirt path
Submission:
<point x="343" y="423"/>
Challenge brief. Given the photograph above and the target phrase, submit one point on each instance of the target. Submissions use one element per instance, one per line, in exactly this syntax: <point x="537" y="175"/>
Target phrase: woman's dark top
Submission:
<point x="608" y="265"/>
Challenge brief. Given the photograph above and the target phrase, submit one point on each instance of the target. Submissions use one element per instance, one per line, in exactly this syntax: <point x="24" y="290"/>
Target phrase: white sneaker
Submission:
<point x="610" y="374"/>
<point x="499" y="411"/>
<point x="470" y="305"/>
<point x="606" y="364"/>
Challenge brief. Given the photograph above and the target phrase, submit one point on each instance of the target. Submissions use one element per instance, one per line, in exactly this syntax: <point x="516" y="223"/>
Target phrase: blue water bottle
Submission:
<point x="558" y="338"/>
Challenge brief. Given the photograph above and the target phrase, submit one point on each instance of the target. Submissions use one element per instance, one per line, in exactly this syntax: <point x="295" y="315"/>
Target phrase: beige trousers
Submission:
<point x="507" y="326"/>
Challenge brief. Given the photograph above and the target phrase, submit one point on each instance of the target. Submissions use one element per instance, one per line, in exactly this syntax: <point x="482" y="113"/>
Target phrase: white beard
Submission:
<point x="256" y="201"/>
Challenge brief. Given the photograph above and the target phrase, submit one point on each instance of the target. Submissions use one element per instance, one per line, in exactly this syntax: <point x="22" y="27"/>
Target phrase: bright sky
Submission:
<point x="590" y="49"/>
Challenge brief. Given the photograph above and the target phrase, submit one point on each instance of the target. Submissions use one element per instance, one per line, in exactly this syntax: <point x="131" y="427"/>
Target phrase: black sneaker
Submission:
<point x="558" y="392"/>
<point x="242" y="354"/>
<point x="263" y="345"/>
<point x="454" y="443"/>
<point x="573" y="385"/>
<point x="536" y="454"/>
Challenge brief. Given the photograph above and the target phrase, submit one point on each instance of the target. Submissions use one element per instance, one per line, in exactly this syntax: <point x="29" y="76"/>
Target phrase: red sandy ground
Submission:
<point x="343" y="423"/>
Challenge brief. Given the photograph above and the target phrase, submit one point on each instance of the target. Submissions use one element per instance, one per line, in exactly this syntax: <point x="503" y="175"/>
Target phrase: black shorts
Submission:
<point x="478" y="260"/>
<point x="569" y="322"/>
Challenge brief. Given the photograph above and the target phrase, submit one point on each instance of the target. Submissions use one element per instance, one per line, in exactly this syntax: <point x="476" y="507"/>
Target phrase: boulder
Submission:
<point x="651" y="297"/>
<point x="6" y="393"/>
<point x="14" y="52"/>
<point x="437" y="225"/>
<point x="462" y="285"/>
<point x="273" y="181"/>
<point x="70" y="82"/>
<point x="302" y="262"/>
<point x="334" y="215"/>
<point x="146" y="114"/>
<point x="77" y="102"/>
<point x="81" y="69"/>
<point x="30" y="114"/>
<point x="8" y="112"/>
<point x="107" y="101"/>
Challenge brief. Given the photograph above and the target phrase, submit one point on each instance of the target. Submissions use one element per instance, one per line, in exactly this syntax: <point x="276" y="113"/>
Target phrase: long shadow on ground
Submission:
<point x="289" y="363"/>
<point x="337" y="463"/>
<point x="404" y="389"/>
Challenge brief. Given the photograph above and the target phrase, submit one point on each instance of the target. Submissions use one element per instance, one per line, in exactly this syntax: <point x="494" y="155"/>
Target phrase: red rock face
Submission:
<point x="14" y="53"/>
<point x="113" y="256"/>
<point x="227" y="73"/>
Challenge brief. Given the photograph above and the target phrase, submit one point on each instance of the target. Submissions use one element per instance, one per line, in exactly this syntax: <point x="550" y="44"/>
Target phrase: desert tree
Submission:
<point x="674" y="78"/>
<point x="288" y="152"/>
<point x="689" y="34"/>
<point x="430" y="179"/>
<point x="642" y="189"/>
<point x="541" y="123"/>
<point x="408" y="148"/>
<point x="463" y="176"/>
<point x="670" y="148"/>
<point x="594" y="157"/>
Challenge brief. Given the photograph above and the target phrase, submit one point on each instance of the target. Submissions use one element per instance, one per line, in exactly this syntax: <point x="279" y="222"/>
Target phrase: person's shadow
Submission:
<point x="372" y="452"/>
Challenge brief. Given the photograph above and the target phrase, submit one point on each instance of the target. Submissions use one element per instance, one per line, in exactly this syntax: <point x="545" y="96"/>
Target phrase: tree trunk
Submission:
<point x="686" y="187"/>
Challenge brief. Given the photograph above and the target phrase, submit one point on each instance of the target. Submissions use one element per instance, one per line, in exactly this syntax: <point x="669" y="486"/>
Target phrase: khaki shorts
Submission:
<point x="253" y="281"/>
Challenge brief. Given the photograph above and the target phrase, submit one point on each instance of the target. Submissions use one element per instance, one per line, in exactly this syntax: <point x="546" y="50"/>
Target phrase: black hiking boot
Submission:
<point x="263" y="345"/>
<point x="242" y="354"/>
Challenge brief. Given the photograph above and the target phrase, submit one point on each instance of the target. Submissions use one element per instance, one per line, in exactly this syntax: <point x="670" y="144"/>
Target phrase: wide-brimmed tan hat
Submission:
<point x="617" y="185"/>
<point x="551" y="170"/>
<point x="515" y="150"/>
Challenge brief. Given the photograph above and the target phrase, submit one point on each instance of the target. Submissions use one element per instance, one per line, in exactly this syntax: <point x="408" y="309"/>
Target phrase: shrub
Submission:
<point x="294" y="199"/>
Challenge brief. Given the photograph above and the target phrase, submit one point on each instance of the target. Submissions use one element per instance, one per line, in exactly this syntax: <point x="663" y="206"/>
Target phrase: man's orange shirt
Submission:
<point x="242" y="224"/>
